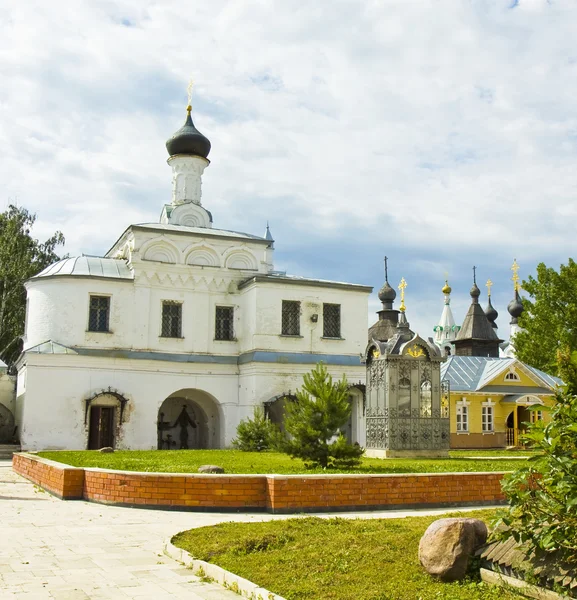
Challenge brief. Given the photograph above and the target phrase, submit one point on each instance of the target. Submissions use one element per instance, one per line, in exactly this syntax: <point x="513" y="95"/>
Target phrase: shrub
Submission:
<point x="315" y="418"/>
<point x="257" y="434"/>
<point x="543" y="495"/>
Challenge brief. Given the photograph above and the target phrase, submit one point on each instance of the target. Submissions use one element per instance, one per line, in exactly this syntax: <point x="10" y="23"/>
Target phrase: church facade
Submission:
<point x="178" y="332"/>
<point x="492" y="394"/>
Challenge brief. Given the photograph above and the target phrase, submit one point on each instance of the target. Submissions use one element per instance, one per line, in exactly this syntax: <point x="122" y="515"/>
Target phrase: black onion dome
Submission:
<point x="387" y="293"/>
<point x="475" y="292"/>
<point x="491" y="312"/>
<point x="515" y="307"/>
<point x="188" y="140"/>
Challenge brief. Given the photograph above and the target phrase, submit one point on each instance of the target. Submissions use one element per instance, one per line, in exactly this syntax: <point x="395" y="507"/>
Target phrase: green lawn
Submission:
<point x="333" y="559"/>
<point x="234" y="461"/>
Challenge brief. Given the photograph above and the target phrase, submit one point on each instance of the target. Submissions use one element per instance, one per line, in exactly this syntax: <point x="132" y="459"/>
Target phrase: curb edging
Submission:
<point x="225" y="578"/>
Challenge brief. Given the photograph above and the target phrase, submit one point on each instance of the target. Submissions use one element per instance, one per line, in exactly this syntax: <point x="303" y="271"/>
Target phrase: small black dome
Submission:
<point x="387" y="293"/>
<point x="515" y="307"/>
<point x="188" y="140"/>
<point x="491" y="312"/>
<point x="475" y="291"/>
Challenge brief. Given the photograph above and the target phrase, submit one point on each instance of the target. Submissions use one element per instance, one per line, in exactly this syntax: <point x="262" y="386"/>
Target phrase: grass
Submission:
<point x="333" y="559"/>
<point x="234" y="461"/>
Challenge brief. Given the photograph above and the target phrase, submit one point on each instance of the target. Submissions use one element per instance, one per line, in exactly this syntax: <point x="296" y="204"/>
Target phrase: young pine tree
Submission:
<point x="257" y="434"/>
<point x="315" y="418"/>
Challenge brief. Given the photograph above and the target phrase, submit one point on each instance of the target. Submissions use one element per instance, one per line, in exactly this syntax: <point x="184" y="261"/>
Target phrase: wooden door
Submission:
<point x="101" y="432"/>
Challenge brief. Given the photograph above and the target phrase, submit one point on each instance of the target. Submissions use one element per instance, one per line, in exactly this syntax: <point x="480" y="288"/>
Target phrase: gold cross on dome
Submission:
<point x="189" y="90"/>
<point x="515" y="278"/>
<point x="489" y="285"/>
<point x="402" y="287"/>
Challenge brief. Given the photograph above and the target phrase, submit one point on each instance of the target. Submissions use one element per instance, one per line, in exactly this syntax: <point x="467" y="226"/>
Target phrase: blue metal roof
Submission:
<point x="473" y="373"/>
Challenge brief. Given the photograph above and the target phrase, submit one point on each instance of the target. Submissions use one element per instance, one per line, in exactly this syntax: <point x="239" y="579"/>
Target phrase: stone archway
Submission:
<point x="274" y="409"/>
<point x="7" y="425"/>
<point x="188" y="419"/>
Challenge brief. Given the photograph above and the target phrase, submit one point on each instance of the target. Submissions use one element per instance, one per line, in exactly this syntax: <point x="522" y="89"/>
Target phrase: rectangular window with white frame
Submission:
<point x="171" y="319"/>
<point x="536" y="415"/>
<point x="488" y="416"/>
<point x="462" y="414"/>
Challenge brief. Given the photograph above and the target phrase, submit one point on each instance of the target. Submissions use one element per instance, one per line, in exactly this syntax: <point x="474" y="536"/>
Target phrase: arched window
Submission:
<point x="426" y="399"/>
<point x="512" y="376"/>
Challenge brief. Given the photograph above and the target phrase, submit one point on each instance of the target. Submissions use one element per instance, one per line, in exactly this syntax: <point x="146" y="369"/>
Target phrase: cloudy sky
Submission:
<point x="440" y="133"/>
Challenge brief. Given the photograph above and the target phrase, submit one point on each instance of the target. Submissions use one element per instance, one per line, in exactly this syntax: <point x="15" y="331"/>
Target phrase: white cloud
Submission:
<point x="441" y="133"/>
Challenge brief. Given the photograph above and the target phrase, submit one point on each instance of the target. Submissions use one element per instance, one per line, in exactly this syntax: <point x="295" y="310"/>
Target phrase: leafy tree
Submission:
<point x="21" y="257"/>
<point x="542" y="496"/>
<point x="315" y="418"/>
<point x="257" y="434"/>
<point x="549" y="320"/>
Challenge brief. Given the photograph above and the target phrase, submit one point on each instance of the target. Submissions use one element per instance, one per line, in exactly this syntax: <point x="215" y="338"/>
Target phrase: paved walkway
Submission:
<point x="77" y="550"/>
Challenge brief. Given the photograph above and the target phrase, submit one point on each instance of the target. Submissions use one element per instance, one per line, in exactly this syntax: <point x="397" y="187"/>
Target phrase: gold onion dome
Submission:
<point x="446" y="288"/>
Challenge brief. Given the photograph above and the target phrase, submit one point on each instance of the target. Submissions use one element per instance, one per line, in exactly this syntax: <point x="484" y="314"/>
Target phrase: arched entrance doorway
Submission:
<point x="103" y="416"/>
<point x="7" y="426"/>
<point x="274" y="409"/>
<point x="518" y="419"/>
<point x="188" y="419"/>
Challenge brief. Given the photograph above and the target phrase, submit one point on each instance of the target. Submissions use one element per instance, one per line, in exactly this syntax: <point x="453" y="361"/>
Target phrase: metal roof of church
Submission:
<point x="201" y="230"/>
<point x="88" y="266"/>
<point x="472" y="373"/>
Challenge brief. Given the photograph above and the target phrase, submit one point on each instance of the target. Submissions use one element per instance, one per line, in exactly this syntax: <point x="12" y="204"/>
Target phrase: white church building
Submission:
<point x="178" y="332"/>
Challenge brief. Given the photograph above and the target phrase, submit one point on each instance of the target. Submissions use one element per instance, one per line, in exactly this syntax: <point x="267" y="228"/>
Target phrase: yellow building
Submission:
<point x="489" y="399"/>
<point x="490" y="390"/>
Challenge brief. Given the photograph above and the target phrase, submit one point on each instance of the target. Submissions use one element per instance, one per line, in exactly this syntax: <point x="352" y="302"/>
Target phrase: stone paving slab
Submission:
<point x="76" y="550"/>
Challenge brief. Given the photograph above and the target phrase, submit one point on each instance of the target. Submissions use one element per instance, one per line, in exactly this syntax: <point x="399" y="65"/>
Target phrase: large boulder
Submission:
<point x="210" y="469"/>
<point x="447" y="545"/>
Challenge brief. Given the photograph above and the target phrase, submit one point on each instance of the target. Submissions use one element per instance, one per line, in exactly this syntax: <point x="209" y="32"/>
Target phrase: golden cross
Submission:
<point x="402" y="287"/>
<point x="515" y="278"/>
<point x="489" y="285"/>
<point x="189" y="90"/>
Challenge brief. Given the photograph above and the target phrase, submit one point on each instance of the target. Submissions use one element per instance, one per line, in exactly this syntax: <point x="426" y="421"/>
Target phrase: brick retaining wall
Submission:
<point x="61" y="480"/>
<point x="311" y="493"/>
<point x="270" y="493"/>
<point x="225" y="492"/>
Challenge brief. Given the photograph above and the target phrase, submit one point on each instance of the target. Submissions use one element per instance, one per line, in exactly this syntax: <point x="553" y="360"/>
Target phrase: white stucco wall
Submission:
<point x="52" y="408"/>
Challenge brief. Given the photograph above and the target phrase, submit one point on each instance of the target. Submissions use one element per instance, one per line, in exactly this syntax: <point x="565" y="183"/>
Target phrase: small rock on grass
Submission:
<point x="210" y="469"/>
<point x="106" y="450"/>
<point x="447" y="545"/>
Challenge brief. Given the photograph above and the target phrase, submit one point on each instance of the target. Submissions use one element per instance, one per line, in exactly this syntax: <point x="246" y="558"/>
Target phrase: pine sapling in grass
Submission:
<point x="257" y="434"/>
<point x="315" y="419"/>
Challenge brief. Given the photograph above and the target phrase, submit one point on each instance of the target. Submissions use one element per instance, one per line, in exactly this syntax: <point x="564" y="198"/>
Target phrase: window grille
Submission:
<point x="426" y="399"/>
<point x="99" y="313"/>
<point x="512" y="376"/>
<point x="224" y="323"/>
<point x="171" y="319"/>
<point x="487" y="417"/>
<point x="445" y="399"/>
<point x="404" y="397"/>
<point x="445" y="407"/>
<point x="462" y="418"/>
<point x="291" y="317"/>
<point x="332" y="320"/>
